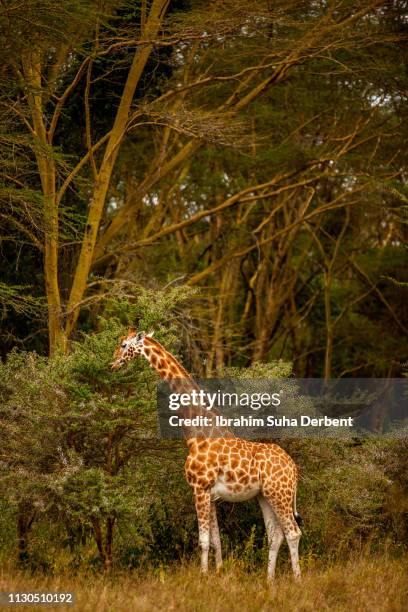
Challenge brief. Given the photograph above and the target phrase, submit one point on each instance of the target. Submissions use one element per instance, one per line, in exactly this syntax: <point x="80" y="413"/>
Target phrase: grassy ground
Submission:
<point x="362" y="584"/>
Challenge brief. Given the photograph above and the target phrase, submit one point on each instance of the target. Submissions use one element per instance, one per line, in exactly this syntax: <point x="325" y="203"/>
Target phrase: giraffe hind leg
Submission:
<point x="289" y="526"/>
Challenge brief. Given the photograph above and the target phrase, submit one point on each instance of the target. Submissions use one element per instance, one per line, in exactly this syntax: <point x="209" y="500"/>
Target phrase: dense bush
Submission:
<point x="84" y="479"/>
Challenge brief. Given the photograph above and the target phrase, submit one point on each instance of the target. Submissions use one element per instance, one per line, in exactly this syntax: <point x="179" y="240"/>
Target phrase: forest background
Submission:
<point x="234" y="177"/>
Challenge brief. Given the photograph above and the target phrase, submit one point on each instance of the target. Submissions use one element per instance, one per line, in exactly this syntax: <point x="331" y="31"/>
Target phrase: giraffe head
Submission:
<point x="130" y="347"/>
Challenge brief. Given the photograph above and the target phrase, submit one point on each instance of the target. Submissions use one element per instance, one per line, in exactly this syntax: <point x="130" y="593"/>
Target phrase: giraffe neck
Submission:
<point x="180" y="381"/>
<point x="167" y="366"/>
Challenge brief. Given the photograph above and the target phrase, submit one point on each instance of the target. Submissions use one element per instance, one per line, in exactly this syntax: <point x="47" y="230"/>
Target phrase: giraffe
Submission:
<point x="221" y="466"/>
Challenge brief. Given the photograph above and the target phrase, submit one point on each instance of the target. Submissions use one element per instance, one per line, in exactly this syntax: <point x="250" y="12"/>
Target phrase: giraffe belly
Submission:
<point x="233" y="492"/>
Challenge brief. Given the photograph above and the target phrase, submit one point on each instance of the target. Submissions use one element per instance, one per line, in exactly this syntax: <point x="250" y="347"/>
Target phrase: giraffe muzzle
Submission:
<point x="117" y="364"/>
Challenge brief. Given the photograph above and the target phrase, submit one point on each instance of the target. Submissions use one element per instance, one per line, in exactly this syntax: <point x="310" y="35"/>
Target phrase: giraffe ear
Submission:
<point x="150" y="333"/>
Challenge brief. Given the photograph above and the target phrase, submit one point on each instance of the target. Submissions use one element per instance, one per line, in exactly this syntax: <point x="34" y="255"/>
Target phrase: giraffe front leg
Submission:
<point x="215" y="536"/>
<point x="203" y="508"/>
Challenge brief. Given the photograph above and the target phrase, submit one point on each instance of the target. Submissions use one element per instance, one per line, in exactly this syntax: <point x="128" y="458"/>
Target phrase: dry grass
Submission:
<point x="364" y="584"/>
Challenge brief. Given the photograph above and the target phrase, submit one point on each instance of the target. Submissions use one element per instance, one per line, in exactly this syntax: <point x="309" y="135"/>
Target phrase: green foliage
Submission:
<point x="74" y="433"/>
<point x="344" y="494"/>
<point x="32" y="408"/>
<point x="273" y="369"/>
<point x="78" y="445"/>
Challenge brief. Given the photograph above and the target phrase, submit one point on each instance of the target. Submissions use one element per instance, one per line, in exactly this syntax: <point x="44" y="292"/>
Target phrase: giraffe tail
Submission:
<point x="297" y="516"/>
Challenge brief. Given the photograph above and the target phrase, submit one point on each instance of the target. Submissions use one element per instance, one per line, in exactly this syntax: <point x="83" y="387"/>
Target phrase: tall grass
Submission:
<point x="359" y="584"/>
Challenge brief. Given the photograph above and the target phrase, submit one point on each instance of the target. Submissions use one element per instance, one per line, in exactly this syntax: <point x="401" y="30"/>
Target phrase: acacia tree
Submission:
<point x="254" y="248"/>
<point x="196" y="107"/>
<point x="40" y="69"/>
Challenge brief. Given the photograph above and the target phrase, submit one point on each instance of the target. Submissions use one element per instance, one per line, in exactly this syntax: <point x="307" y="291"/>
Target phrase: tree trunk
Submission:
<point x="46" y="167"/>
<point x="329" y="326"/>
<point x="156" y="15"/>
<point x="104" y="542"/>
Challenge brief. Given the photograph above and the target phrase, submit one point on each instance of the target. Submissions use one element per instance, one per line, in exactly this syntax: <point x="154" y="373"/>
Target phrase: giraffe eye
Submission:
<point x="124" y="345"/>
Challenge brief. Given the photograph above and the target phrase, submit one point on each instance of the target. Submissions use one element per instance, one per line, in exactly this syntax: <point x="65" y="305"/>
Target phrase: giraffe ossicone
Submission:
<point x="221" y="466"/>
